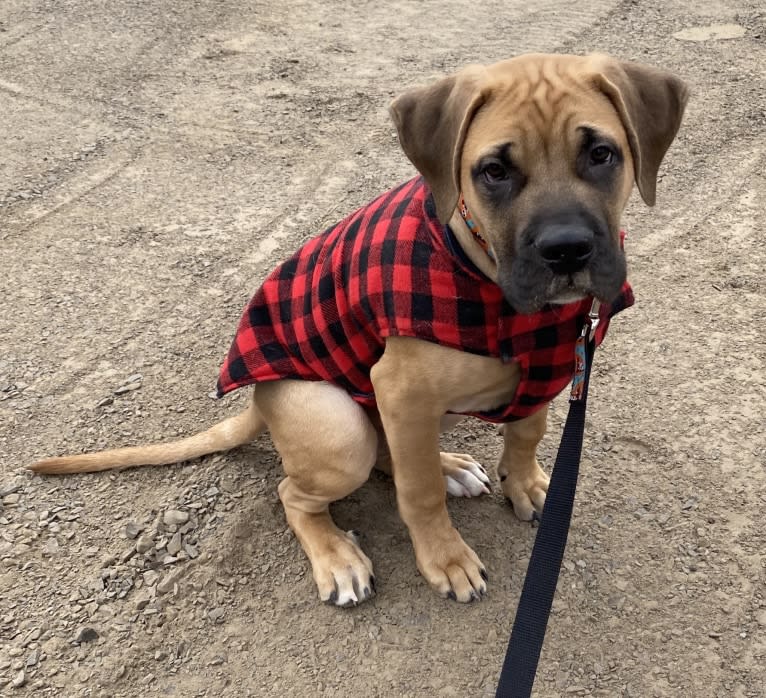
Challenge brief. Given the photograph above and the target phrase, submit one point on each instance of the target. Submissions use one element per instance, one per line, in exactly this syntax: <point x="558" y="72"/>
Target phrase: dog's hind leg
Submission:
<point x="328" y="447"/>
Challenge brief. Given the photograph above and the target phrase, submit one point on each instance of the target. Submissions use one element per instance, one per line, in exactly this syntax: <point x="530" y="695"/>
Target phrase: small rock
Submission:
<point x="105" y="401"/>
<point x="191" y="550"/>
<point x="19" y="680"/>
<point x="10" y="488"/>
<point x="11" y="499"/>
<point x="711" y="32"/>
<point x="86" y="635"/>
<point x="132" y="529"/>
<point x="142" y="603"/>
<point x="33" y="658"/>
<point x="167" y="584"/>
<point x="144" y="543"/>
<point x="33" y="635"/>
<point x="216" y="614"/>
<point x="127" y="388"/>
<point x="51" y="547"/>
<point x="150" y="578"/>
<point x="174" y="546"/>
<point x="174" y="517"/>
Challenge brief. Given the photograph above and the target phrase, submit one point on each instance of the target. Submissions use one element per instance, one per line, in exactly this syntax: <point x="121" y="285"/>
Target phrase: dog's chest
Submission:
<point x="493" y="384"/>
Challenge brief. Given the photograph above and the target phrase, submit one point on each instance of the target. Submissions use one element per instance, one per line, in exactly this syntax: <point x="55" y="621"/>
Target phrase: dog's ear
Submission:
<point x="432" y="123"/>
<point x="651" y="104"/>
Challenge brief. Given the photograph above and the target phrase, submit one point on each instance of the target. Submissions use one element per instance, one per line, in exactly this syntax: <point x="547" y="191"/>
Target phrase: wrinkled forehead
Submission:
<point x="542" y="104"/>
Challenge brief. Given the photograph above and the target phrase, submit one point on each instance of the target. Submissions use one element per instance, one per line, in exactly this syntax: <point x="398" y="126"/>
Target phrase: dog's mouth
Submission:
<point x="529" y="285"/>
<point x="572" y="288"/>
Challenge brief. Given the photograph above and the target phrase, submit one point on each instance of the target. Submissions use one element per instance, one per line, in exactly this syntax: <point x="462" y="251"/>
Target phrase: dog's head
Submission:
<point x="545" y="150"/>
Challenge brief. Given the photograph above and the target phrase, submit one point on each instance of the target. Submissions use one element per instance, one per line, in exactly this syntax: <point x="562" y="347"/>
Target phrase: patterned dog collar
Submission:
<point x="471" y="225"/>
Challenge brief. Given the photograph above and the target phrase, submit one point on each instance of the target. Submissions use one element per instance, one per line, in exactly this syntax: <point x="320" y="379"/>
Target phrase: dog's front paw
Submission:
<point x="451" y="567"/>
<point x="464" y="476"/>
<point x="343" y="573"/>
<point x="525" y="490"/>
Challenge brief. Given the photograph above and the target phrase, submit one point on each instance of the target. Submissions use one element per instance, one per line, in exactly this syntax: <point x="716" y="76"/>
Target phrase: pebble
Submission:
<point x="132" y="529"/>
<point x="11" y="499"/>
<point x="711" y="32"/>
<point x="86" y="635"/>
<point x="167" y="584"/>
<point x="33" y="658"/>
<point x="10" y="488"/>
<point x="174" y="517"/>
<point x="174" y="546"/>
<point x="51" y="547"/>
<point x="127" y="388"/>
<point x="19" y="680"/>
<point x="144" y="543"/>
<point x="216" y="614"/>
<point x="105" y="401"/>
<point x="33" y="635"/>
<point x="150" y="578"/>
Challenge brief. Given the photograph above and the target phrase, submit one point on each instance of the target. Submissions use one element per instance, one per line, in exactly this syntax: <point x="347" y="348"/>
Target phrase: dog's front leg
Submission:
<point x="411" y="407"/>
<point x="523" y="481"/>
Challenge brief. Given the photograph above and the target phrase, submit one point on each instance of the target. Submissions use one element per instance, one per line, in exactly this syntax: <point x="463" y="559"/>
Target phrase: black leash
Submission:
<point x="520" y="665"/>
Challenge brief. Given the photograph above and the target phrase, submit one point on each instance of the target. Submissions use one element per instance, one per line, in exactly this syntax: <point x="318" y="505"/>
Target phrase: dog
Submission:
<point x="458" y="293"/>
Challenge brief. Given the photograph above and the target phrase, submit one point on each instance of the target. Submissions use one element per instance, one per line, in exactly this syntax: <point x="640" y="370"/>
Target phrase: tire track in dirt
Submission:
<point x="69" y="191"/>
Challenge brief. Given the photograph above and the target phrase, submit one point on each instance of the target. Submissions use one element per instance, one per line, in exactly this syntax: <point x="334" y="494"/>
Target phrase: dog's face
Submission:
<point x="545" y="150"/>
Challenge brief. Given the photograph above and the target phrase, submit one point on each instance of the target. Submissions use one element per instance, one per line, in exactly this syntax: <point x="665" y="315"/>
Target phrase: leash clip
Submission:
<point x="593" y="319"/>
<point x="581" y="351"/>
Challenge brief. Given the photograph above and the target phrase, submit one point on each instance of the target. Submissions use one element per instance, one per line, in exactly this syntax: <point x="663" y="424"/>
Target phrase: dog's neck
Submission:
<point x="472" y="240"/>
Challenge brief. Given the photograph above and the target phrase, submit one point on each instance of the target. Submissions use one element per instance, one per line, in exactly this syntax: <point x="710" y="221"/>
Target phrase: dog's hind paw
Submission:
<point x="464" y="476"/>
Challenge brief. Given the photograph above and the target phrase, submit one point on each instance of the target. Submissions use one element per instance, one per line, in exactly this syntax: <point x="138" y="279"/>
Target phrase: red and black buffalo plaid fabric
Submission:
<point x="391" y="269"/>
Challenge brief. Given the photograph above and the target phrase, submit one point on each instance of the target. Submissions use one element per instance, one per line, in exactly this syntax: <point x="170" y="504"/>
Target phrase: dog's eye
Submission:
<point x="601" y="155"/>
<point x="494" y="172"/>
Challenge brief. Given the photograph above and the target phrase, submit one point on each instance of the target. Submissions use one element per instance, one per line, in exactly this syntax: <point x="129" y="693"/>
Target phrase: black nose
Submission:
<point x="565" y="248"/>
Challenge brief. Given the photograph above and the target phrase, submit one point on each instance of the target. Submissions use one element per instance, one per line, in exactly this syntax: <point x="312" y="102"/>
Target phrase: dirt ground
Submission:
<point x="158" y="158"/>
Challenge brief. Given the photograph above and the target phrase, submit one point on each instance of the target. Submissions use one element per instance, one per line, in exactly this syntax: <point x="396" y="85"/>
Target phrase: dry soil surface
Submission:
<point x="158" y="158"/>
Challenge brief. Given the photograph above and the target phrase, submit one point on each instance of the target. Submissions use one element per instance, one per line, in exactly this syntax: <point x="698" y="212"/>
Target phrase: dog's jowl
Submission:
<point x="459" y="292"/>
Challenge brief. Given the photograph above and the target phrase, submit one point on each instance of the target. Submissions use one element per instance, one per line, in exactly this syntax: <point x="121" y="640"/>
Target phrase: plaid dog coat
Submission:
<point x="391" y="269"/>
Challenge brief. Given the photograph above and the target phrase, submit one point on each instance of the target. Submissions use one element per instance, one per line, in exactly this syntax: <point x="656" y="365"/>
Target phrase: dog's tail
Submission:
<point x="227" y="434"/>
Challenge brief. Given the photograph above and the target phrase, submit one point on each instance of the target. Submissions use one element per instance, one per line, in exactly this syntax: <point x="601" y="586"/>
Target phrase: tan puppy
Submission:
<point x="545" y="150"/>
